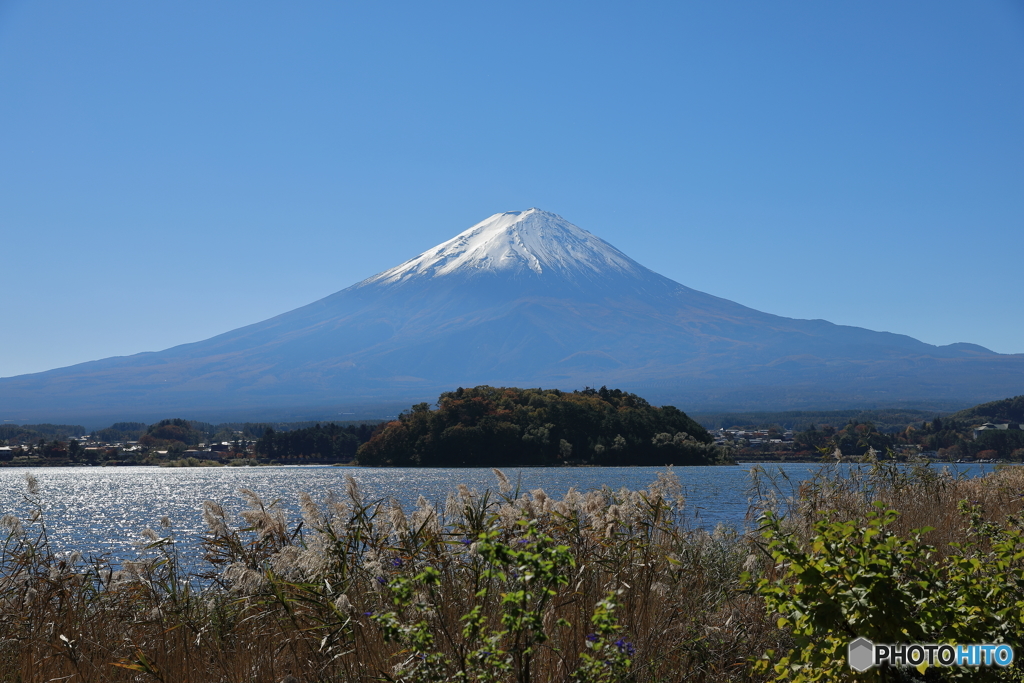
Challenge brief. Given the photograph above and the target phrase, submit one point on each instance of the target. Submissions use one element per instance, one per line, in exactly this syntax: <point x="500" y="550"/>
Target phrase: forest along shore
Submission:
<point x="990" y="432"/>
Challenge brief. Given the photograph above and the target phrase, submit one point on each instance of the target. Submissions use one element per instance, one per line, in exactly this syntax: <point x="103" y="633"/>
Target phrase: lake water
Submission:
<point x="102" y="510"/>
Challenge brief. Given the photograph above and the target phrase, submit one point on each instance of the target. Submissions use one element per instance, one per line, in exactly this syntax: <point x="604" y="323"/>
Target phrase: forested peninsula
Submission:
<point x="507" y="427"/>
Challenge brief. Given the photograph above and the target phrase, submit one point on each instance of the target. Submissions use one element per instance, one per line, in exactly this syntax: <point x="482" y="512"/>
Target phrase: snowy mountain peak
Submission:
<point x="516" y="242"/>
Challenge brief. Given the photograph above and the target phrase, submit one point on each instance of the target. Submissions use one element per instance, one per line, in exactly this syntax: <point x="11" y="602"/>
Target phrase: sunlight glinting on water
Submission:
<point x="102" y="511"/>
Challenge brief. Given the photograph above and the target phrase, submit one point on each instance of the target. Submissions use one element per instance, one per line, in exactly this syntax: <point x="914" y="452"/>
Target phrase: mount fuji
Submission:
<point x="523" y="298"/>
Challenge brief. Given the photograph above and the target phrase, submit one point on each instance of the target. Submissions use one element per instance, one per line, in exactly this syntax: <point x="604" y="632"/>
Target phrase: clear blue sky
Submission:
<point x="173" y="170"/>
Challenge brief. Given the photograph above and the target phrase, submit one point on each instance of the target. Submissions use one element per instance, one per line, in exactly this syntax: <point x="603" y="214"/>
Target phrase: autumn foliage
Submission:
<point x="487" y="426"/>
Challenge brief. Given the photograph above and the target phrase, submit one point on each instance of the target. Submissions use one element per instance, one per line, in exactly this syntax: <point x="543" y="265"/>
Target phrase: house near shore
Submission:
<point x="989" y="426"/>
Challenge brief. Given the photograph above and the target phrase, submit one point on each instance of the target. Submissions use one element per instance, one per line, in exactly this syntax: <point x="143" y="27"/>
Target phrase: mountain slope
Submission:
<point x="1007" y="410"/>
<point x="522" y="298"/>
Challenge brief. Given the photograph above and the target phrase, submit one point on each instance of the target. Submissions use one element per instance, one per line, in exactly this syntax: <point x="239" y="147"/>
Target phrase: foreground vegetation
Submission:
<point x="516" y="586"/>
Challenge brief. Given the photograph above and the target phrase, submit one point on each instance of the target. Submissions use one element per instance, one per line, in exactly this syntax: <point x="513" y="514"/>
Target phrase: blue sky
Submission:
<point x="170" y="171"/>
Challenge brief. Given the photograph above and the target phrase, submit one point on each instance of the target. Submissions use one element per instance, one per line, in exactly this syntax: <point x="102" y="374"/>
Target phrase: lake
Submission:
<point x="102" y="510"/>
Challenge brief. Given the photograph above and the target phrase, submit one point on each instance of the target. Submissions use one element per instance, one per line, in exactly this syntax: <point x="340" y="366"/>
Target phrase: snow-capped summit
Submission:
<point x="515" y="242"/>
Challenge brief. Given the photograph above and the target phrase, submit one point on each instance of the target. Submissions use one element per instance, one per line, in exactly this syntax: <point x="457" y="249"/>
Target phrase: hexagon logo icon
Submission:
<point x="860" y="654"/>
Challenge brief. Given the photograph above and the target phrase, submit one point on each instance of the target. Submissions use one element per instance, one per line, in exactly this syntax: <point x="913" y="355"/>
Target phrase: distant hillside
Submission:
<point x="884" y="420"/>
<point x="1006" y="410"/>
<point x="25" y="433"/>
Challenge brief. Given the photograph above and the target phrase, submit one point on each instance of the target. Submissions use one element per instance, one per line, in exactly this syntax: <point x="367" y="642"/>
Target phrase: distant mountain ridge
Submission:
<point x="523" y="298"/>
<point x="1008" y="410"/>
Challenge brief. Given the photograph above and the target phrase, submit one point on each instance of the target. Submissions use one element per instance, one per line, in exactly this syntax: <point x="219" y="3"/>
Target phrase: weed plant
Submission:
<point x="896" y="555"/>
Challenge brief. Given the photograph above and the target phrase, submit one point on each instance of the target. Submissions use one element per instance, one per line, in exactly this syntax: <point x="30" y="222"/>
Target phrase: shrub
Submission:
<point x="850" y="574"/>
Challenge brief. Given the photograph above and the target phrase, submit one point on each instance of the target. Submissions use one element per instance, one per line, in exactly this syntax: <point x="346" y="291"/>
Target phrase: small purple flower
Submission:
<point x="382" y="581"/>
<point x="625" y="646"/>
<point x="466" y="541"/>
<point x="522" y="541"/>
<point x="397" y="562"/>
<point x="592" y="637"/>
<point x="367" y="614"/>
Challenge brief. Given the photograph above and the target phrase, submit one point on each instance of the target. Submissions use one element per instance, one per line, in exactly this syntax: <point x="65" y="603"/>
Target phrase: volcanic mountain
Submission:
<point x="523" y="298"/>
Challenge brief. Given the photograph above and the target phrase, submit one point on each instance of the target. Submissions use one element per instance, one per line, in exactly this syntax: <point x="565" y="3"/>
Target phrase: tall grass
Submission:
<point x="925" y="496"/>
<point x="501" y="585"/>
<point x="601" y="581"/>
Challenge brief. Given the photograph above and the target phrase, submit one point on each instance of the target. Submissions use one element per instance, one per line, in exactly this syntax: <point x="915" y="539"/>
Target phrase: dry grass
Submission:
<point x="302" y="598"/>
<point x="925" y="497"/>
<point x="281" y="598"/>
